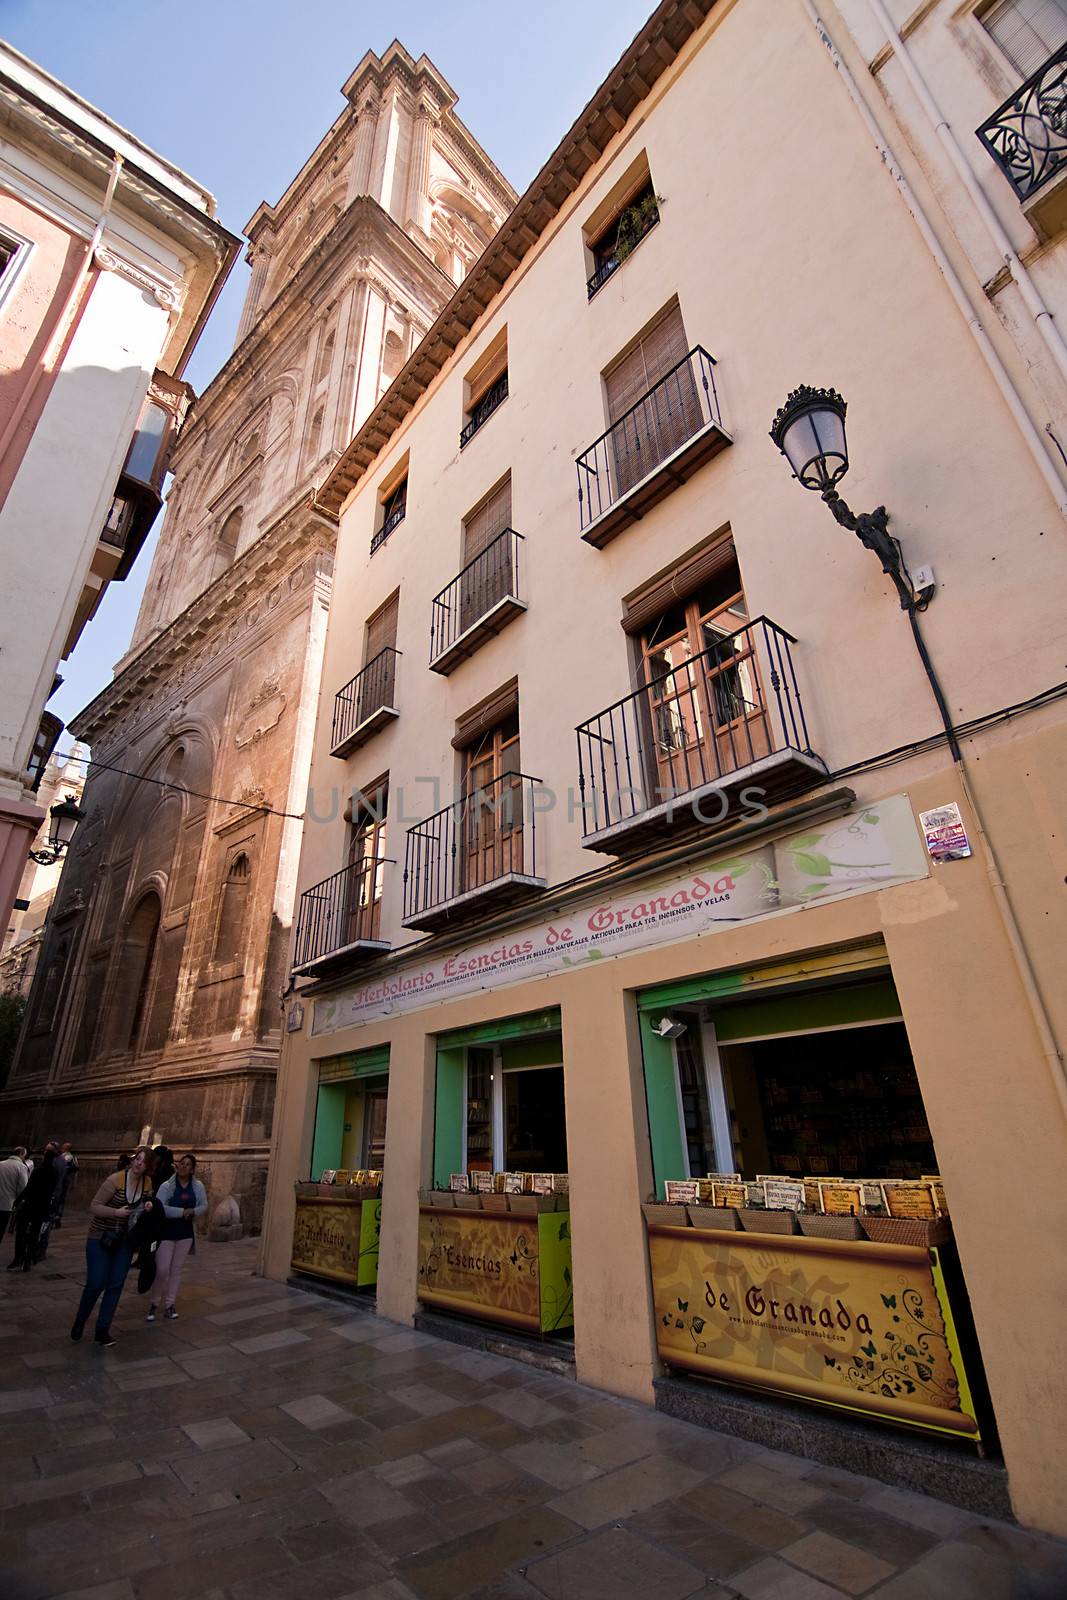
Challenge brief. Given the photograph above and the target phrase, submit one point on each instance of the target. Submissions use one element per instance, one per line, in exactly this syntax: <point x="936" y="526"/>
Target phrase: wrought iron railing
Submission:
<point x="393" y="520"/>
<point x="613" y="262"/>
<point x="341" y="911"/>
<point x="369" y="691"/>
<point x="480" y="838"/>
<point x="682" y="403"/>
<point x="715" y="714"/>
<point x="484" y="409"/>
<point x="475" y="590"/>
<point x="1027" y="136"/>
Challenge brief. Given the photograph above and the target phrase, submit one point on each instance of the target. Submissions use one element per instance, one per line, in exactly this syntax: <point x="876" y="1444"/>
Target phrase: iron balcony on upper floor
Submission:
<point x="478" y="603"/>
<point x="476" y="854"/>
<point x="339" y="921"/>
<point x="1027" y="138"/>
<point x="652" y="448"/>
<point x="365" y="704"/>
<point x="676" y="755"/>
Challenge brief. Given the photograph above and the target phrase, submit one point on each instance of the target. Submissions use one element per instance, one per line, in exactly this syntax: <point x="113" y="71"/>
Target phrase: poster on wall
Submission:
<point x="854" y="1325"/>
<point x="867" y="849"/>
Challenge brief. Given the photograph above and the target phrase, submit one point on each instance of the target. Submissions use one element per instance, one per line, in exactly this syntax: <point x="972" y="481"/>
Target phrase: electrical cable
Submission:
<point x="179" y="788"/>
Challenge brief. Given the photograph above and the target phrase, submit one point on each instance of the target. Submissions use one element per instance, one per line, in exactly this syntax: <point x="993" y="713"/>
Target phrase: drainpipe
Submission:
<point x="999" y="373"/>
<point x="62" y="324"/>
<point x="1034" y="303"/>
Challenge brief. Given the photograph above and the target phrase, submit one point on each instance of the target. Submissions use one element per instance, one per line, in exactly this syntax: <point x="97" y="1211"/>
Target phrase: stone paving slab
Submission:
<point x="273" y="1444"/>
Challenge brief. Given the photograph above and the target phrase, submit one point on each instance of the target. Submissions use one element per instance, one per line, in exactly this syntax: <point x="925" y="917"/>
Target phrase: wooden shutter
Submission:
<point x="1028" y="31"/>
<point x="470" y="727"/>
<point x="381" y="629"/>
<point x="691" y="573"/>
<point x="484" y="525"/>
<point x="660" y="349"/>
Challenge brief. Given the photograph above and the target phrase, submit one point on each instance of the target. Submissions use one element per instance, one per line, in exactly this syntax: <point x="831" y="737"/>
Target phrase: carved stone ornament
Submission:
<point x="263" y="712"/>
<point x="113" y="263"/>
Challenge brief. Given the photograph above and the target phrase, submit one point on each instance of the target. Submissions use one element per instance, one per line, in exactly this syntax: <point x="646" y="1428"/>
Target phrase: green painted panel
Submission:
<point x="525" y="1027"/>
<point x="357" y="1064"/>
<point x="329" y="1128"/>
<point x="449" y="1113"/>
<point x="800" y="1012"/>
<point x="543" y="1052"/>
<point x="554" y="1270"/>
<point x="370" y="1231"/>
<point x="669" y="1159"/>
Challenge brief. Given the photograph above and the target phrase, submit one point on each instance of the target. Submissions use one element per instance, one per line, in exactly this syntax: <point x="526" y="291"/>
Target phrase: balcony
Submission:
<point x="1027" y="138"/>
<point x="651" y="449"/>
<point x="364" y="705"/>
<point x="477" y="604"/>
<point x="483" y="410"/>
<point x="674" y="756"/>
<point x="477" y="855"/>
<point x="339" y="922"/>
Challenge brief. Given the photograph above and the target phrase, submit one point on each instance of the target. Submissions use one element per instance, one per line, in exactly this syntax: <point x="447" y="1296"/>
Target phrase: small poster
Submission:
<point x="561" y="1183"/>
<point x="872" y="1196"/>
<point x="783" y="1194"/>
<point x="328" y="1175"/>
<point x="681" y="1191"/>
<point x="728" y="1193"/>
<point x="754" y="1196"/>
<point x="514" y="1183"/>
<point x="946" y="837"/>
<point x="483" y="1182"/>
<point x="909" y="1199"/>
<point x="459" y="1182"/>
<point x="541" y="1183"/>
<point x="841" y="1199"/>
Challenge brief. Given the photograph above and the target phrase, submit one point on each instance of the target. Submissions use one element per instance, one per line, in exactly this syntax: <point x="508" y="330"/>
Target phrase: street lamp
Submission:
<point x="66" y="815"/>
<point x="809" y="430"/>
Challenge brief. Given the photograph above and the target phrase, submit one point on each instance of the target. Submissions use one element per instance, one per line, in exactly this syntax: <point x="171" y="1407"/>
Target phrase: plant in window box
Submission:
<point x="634" y="223"/>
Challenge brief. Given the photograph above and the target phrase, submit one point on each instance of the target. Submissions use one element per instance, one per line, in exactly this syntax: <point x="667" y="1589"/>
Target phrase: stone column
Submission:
<point x="260" y="261"/>
<point x="418" y="203"/>
<point x="366" y="127"/>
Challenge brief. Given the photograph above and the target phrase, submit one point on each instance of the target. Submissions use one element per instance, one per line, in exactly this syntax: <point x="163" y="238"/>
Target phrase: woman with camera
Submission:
<point x="115" y="1208"/>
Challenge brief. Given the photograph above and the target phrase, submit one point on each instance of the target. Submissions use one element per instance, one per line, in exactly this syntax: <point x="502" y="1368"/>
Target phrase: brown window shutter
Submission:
<point x="691" y="573"/>
<point x="381" y="629"/>
<point x="503" y="702"/>
<point x="481" y="528"/>
<point x="660" y="349"/>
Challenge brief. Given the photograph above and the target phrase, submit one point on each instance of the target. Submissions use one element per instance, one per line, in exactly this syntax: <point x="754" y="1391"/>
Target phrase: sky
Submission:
<point x="239" y="92"/>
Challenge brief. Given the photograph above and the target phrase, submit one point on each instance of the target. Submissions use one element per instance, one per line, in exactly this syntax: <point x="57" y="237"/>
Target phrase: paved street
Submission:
<point x="272" y="1443"/>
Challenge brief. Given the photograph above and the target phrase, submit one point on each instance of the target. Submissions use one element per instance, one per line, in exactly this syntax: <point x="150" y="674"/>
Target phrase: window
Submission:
<point x="377" y="681"/>
<point x="487" y="574"/>
<point x="491" y="833"/>
<point x="1028" y="31"/>
<point x="233" y="903"/>
<point x="392" y="503"/>
<point x="366" y="853"/>
<point x="227" y="541"/>
<point x="486" y="388"/>
<point x="652" y="399"/>
<point x="135" y="971"/>
<point x="698" y="664"/>
<point x="630" y="222"/>
<point x="13" y="252"/>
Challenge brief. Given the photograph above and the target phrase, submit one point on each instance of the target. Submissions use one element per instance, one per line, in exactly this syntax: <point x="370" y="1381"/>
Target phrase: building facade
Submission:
<point x="110" y="259"/>
<point x="639" y="863"/>
<point x="64" y="775"/>
<point x="173" y="917"/>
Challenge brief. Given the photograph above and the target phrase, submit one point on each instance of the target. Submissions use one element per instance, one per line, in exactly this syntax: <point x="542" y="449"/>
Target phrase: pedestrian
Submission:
<point x="14" y="1175"/>
<point x="55" y="1201"/>
<point x="70" y="1164"/>
<point x="183" y="1198"/>
<point x="34" y="1210"/>
<point x="115" y="1208"/>
<point x="163" y="1157"/>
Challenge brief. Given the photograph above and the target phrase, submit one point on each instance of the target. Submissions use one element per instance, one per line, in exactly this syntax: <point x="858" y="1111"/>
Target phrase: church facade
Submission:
<point x="155" y="1011"/>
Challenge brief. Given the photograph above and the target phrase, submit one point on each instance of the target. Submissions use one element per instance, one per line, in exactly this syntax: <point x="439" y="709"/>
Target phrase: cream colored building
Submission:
<point x="110" y="259"/>
<point x="63" y="776"/>
<point x="171" y="925"/>
<point x="515" y="941"/>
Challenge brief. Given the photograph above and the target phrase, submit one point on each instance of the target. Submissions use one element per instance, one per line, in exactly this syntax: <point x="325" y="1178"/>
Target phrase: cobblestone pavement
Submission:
<point x="273" y="1443"/>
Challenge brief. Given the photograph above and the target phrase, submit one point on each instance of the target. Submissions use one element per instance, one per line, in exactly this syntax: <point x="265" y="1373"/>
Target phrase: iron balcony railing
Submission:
<point x="393" y="520"/>
<point x="482" y="584"/>
<point x="484" y="409"/>
<point x="613" y="262"/>
<point x="485" y="836"/>
<point x="369" y="691"/>
<point x="719" y="712"/>
<point x="682" y="403"/>
<point x="343" y="910"/>
<point x="1027" y="136"/>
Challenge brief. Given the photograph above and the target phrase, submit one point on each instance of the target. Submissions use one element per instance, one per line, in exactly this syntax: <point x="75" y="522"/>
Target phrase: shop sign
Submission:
<point x="946" y="837"/>
<point x="866" y="1327"/>
<point x="864" y="850"/>
<point x="338" y="1239"/>
<point x="504" y="1268"/>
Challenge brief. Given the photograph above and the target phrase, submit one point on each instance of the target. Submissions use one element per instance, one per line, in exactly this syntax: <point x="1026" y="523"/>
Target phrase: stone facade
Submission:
<point x="157" y="1009"/>
<point x="64" y="775"/>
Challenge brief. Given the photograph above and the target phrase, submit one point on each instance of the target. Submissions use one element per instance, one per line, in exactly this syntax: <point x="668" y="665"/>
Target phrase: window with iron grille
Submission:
<point x="1028" y="31"/>
<point x="486" y="388"/>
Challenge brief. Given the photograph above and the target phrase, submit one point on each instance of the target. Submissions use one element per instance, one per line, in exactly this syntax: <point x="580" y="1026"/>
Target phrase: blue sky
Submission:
<point x="239" y="92"/>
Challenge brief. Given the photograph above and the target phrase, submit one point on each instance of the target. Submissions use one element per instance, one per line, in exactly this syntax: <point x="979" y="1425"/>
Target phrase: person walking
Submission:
<point x="183" y="1199"/>
<point x="34" y="1210"/>
<point x="70" y="1171"/>
<point x="115" y="1207"/>
<point x="14" y="1176"/>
